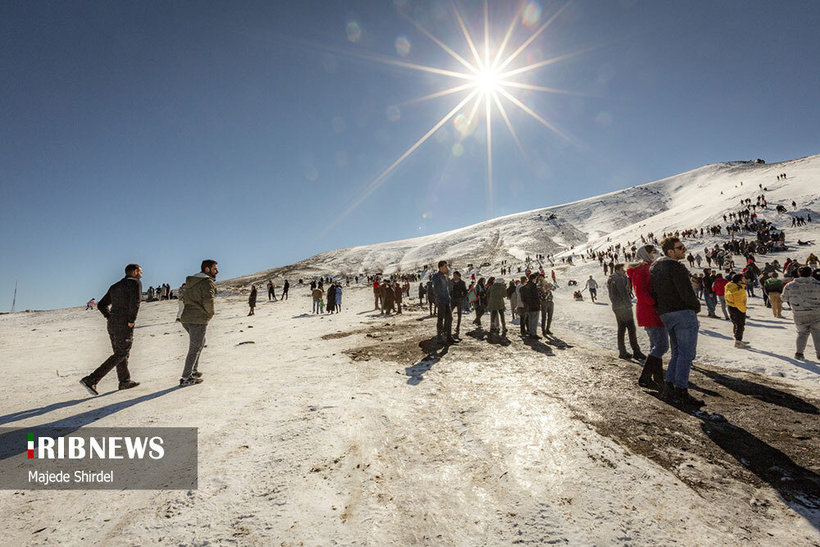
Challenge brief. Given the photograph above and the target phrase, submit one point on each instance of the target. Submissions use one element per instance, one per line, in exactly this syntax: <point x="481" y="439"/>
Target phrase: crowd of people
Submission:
<point x="651" y="271"/>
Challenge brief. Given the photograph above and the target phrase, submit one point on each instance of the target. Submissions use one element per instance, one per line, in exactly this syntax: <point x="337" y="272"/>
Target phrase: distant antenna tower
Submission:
<point x="14" y="300"/>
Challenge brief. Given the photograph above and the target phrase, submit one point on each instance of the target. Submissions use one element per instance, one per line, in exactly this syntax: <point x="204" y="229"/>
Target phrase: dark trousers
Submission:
<point x="121" y="336"/>
<point x="626" y="324"/>
<point x="271" y="294"/>
<point x="444" y="321"/>
<point x="547" y="309"/>
<point x="479" y="312"/>
<point x="285" y="295"/>
<point x="738" y="322"/>
<point x="459" y="307"/>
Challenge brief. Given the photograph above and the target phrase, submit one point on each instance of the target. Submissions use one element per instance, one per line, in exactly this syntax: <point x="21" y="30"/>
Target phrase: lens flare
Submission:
<point x="402" y="46"/>
<point x="354" y="31"/>
<point x="531" y="15"/>
<point x="393" y="113"/>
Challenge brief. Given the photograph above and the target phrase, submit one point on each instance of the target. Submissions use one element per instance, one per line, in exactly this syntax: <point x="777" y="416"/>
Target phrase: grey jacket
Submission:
<point x="620" y="293"/>
<point x="803" y="294"/>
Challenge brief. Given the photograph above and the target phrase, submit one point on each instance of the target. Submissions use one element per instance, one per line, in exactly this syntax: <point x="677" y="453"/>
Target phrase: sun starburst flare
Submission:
<point x="487" y="81"/>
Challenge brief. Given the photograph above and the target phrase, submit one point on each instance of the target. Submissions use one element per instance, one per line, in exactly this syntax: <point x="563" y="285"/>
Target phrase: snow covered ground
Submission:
<point x="349" y="429"/>
<point x="355" y="428"/>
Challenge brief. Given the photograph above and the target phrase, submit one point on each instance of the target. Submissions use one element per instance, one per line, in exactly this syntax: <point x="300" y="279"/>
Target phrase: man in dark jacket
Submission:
<point x="441" y="296"/>
<point x="620" y="296"/>
<point x="123" y="297"/>
<point x="458" y="294"/>
<point x="677" y="307"/>
<point x="200" y="291"/>
<point x="532" y="303"/>
<point x="709" y="295"/>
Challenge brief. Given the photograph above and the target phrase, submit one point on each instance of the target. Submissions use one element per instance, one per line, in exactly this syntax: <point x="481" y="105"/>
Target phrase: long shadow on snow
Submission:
<point x="10" y="449"/>
<point x="434" y="351"/>
<point x="32" y="412"/>
<point x="538" y="346"/>
<point x="811" y="367"/>
<point x="799" y="487"/>
<point x="759" y="391"/>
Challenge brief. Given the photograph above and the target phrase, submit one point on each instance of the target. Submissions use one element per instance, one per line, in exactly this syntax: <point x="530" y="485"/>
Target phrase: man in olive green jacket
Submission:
<point x="199" y="308"/>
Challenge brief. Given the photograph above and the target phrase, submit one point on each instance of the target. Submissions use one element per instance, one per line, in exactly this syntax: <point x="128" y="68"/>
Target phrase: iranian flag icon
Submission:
<point x="31" y="446"/>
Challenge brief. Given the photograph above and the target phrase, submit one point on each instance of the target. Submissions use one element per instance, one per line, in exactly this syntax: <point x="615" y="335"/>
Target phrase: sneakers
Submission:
<point x="92" y="388"/>
<point x="639" y="356"/>
<point x="189" y="381"/>
<point x="626" y="356"/>
<point x="196" y="374"/>
<point x="129" y="384"/>
<point x="796" y="356"/>
<point x="741" y="344"/>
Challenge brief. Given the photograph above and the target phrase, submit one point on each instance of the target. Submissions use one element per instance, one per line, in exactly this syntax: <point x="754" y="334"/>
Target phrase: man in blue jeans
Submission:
<point x="709" y="295"/>
<point x="677" y="307"/>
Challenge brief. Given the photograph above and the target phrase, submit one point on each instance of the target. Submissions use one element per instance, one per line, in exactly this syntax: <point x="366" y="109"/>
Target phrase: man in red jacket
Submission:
<point x="648" y="318"/>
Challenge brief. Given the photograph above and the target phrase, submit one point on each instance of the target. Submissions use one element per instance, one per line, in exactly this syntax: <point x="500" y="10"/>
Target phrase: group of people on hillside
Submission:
<point x="120" y="307"/>
<point x="667" y="307"/>
<point x="330" y="300"/>
<point x="530" y="298"/>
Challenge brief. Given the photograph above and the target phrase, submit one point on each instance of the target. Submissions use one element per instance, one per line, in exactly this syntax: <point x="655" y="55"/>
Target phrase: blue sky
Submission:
<point x="168" y="132"/>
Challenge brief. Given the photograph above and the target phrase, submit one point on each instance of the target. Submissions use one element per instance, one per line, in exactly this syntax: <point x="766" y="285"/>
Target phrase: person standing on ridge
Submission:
<point x="200" y="292"/>
<point x="285" y="288"/>
<point x="123" y="298"/>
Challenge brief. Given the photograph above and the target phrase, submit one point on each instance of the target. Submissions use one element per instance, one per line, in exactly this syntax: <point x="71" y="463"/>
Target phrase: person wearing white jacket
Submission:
<point x="803" y="295"/>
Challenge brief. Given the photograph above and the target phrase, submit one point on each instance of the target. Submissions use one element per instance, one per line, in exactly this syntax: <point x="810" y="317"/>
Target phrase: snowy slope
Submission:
<point x="690" y="200"/>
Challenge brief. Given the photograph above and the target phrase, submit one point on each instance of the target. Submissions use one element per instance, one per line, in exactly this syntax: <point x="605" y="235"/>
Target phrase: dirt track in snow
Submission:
<point x="754" y="432"/>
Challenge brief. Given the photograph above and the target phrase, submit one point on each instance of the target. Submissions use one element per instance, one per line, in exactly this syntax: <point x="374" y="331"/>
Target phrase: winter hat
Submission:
<point x="643" y="252"/>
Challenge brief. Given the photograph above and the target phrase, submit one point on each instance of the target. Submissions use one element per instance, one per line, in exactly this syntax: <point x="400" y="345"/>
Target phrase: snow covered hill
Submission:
<point x="694" y="199"/>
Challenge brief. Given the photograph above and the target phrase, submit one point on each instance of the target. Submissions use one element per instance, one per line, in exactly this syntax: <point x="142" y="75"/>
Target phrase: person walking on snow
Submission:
<point x="200" y="292"/>
<point x="123" y="298"/>
<point x="803" y="295"/>
<point x="592" y="285"/>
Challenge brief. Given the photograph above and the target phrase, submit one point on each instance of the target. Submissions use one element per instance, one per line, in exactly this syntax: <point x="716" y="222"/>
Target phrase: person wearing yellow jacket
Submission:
<point x="736" y="301"/>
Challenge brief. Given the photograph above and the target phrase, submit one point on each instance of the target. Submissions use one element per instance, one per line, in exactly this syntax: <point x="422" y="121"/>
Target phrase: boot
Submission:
<point x="682" y="394"/>
<point x="646" y="374"/>
<point x="657" y="372"/>
<point x="669" y="394"/>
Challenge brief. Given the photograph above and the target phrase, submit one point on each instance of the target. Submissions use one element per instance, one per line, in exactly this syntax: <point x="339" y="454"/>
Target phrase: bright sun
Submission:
<point x="487" y="81"/>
